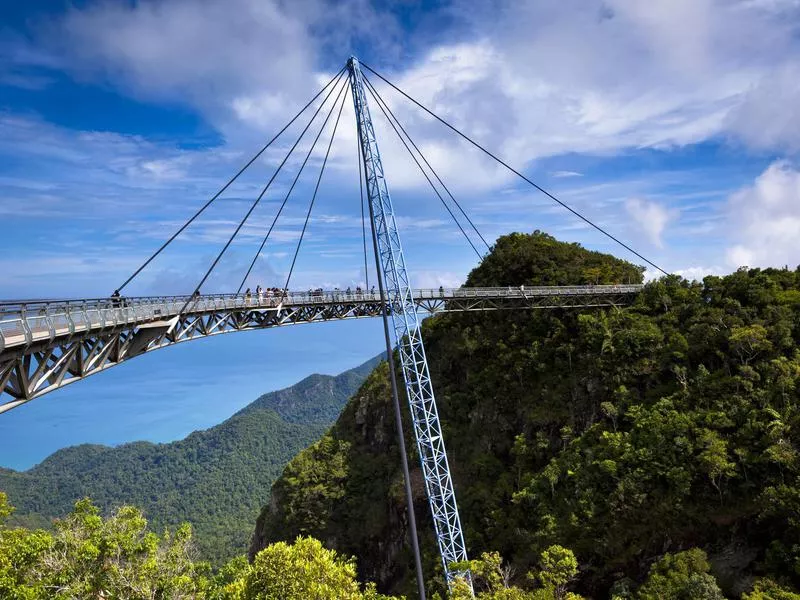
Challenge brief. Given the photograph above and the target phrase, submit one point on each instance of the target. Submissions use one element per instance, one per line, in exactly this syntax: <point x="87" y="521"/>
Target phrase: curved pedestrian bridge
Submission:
<point x="46" y="344"/>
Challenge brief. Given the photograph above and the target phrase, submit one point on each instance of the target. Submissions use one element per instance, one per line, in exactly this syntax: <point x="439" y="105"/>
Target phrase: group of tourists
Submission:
<point x="359" y="291"/>
<point x="261" y="293"/>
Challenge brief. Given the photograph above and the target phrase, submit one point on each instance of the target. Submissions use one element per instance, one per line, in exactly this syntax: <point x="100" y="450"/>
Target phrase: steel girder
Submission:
<point x="45" y="345"/>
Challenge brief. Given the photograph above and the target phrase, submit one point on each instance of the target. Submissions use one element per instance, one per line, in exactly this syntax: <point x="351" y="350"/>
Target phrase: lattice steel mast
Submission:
<point x="422" y="404"/>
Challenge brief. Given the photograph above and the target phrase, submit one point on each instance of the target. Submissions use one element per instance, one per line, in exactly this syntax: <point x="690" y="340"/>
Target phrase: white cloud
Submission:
<point x="204" y="49"/>
<point x="768" y="116"/>
<point x="434" y="279"/>
<point x="567" y="174"/>
<point x="764" y="220"/>
<point x="698" y="273"/>
<point x="171" y="168"/>
<point x="553" y="77"/>
<point x="243" y="63"/>
<point x="651" y="217"/>
<point x="527" y="79"/>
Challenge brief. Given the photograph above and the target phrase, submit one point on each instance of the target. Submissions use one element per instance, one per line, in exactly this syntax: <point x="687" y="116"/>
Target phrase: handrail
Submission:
<point x="35" y="305"/>
<point x="23" y="323"/>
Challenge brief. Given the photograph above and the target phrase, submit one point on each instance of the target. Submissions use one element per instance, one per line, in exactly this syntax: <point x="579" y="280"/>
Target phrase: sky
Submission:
<point x="673" y="124"/>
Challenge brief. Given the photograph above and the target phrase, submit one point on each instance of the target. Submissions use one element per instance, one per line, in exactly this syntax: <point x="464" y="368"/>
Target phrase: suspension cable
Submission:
<point x="380" y="100"/>
<point x="513" y="170"/>
<point x="363" y="222"/>
<point x="425" y="174"/>
<point x="260" y="196"/>
<point x="228" y="184"/>
<point x="314" y="196"/>
<point x="291" y="188"/>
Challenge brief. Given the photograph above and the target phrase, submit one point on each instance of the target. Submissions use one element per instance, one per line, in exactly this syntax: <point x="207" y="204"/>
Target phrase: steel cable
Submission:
<point x="228" y="184"/>
<point x="425" y="174"/>
<point x="513" y="170"/>
<point x="380" y="100"/>
<point x="314" y="196"/>
<point x="261" y="195"/>
<point x="291" y="188"/>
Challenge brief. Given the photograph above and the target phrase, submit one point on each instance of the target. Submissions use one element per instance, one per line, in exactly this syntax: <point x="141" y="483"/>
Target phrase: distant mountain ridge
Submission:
<point x="292" y="405"/>
<point x="217" y="479"/>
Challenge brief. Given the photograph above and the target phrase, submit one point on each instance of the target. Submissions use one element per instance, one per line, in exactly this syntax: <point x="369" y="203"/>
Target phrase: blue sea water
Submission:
<point x="165" y="395"/>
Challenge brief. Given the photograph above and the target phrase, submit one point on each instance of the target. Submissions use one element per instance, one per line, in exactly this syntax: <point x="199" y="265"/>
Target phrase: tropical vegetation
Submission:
<point x="657" y="442"/>
<point x="88" y="556"/>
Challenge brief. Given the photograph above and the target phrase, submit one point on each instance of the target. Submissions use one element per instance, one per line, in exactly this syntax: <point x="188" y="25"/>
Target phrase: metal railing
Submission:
<point x="24" y="322"/>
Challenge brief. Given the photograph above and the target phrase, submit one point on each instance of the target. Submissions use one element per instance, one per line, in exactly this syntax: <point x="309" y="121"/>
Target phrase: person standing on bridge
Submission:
<point x="259" y="293"/>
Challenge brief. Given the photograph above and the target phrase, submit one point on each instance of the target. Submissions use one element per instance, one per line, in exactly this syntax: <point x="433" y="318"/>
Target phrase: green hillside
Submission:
<point x="624" y="435"/>
<point x="216" y="479"/>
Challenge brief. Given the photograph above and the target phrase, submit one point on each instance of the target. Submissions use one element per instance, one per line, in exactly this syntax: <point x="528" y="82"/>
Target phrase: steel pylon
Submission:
<point x="419" y="390"/>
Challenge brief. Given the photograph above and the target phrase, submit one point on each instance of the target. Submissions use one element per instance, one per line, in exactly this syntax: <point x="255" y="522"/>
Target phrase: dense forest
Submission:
<point x="89" y="556"/>
<point x="216" y="479"/>
<point x="642" y="452"/>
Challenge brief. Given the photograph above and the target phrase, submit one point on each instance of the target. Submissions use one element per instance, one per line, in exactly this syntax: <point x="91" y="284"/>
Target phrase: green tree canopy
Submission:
<point x="91" y="557"/>
<point x="304" y="570"/>
<point x="681" y="576"/>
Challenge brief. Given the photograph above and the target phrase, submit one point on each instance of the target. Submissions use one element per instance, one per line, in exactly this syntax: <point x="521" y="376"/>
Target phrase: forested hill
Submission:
<point x="639" y="438"/>
<point x="216" y="479"/>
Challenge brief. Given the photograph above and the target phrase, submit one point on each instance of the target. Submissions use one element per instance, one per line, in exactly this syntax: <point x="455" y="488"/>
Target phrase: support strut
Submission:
<point x="408" y="337"/>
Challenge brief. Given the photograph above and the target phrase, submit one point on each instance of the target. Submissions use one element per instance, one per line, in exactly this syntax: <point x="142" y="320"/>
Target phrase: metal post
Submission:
<point x="401" y="440"/>
<point x="398" y="419"/>
<point x="400" y="302"/>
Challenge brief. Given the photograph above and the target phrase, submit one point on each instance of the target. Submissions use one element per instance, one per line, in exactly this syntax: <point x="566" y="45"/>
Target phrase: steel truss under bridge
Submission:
<point x="45" y="345"/>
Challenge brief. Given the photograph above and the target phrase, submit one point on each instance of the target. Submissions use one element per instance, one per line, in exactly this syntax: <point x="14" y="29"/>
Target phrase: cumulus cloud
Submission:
<point x="553" y="77"/>
<point x="651" y="217"/>
<point x="769" y="115"/>
<point x="237" y="61"/>
<point x="699" y="273"/>
<point x="764" y="219"/>
<point x="529" y="79"/>
<point x="205" y="50"/>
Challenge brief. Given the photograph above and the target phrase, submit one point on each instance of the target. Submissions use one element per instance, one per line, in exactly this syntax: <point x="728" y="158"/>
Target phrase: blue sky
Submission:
<point x="672" y="123"/>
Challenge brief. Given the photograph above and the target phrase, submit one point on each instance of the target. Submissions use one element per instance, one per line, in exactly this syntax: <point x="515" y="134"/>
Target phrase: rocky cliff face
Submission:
<point x="347" y="488"/>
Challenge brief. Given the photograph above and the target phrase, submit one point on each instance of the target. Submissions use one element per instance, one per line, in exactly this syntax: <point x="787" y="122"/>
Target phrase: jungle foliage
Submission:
<point x="88" y="556"/>
<point x="658" y="442"/>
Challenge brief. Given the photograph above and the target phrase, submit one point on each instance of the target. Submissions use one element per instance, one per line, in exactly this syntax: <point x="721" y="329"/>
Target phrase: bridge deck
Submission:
<point x="46" y="344"/>
<point x="29" y="321"/>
